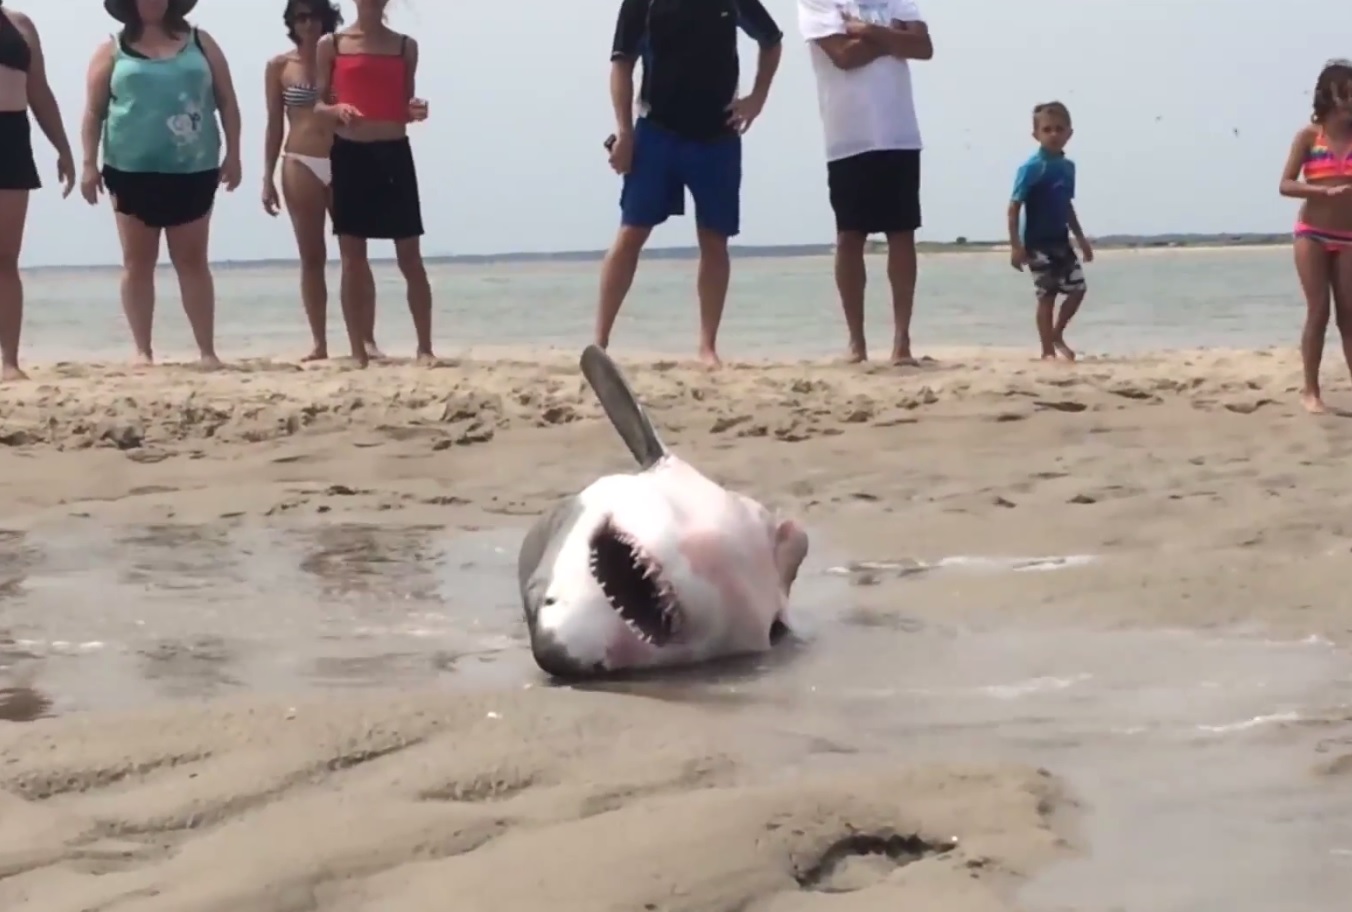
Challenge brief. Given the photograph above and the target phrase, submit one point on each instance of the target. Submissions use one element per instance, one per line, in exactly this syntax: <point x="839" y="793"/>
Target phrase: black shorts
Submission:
<point x="876" y="192"/>
<point x="18" y="171"/>
<point x="375" y="189"/>
<point x="160" y="200"/>
<point x="1055" y="269"/>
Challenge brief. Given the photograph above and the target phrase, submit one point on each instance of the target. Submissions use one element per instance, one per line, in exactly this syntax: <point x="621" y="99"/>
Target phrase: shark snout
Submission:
<point x="554" y="657"/>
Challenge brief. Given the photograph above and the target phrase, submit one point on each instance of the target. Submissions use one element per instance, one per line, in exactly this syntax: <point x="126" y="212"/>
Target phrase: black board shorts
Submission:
<point x="375" y="189"/>
<point x="160" y="200"/>
<point x="876" y="192"/>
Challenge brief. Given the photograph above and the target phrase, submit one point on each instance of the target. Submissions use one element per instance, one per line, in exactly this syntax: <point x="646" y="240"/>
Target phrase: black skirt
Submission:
<point x="161" y="200"/>
<point x="18" y="171"/>
<point x="375" y="189"/>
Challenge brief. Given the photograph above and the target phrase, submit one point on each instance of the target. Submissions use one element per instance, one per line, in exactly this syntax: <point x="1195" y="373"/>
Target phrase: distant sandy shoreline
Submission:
<point x="1123" y="251"/>
<point x="660" y="256"/>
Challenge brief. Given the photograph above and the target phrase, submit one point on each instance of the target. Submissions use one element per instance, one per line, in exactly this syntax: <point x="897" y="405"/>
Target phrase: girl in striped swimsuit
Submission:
<point x="1322" y="153"/>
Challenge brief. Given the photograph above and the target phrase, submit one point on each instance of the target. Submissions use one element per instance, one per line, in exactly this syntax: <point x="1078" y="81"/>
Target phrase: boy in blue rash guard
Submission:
<point x="1044" y="192"/>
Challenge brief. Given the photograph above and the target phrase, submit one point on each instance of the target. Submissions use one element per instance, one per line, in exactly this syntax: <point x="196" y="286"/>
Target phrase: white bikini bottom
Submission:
<point x="318" y="165"/>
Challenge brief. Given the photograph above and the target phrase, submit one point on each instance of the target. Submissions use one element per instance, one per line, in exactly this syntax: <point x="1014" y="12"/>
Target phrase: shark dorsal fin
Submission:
<point x="622" y="406"/>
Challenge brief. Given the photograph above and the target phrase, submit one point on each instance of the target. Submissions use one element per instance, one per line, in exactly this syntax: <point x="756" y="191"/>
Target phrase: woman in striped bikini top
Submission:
<point x="298" y="139"/>
<point x="1323" y="163"/>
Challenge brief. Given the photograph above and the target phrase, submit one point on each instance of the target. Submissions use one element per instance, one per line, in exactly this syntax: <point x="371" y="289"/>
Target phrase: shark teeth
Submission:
<point x="632" y="582"/>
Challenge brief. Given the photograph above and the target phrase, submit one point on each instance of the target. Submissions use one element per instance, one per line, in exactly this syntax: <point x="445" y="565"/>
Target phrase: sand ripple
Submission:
<point x="597" y="802"/>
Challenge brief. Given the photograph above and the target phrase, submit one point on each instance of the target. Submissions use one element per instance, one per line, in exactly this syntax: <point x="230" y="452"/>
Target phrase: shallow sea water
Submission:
<point x="778" y="307"/>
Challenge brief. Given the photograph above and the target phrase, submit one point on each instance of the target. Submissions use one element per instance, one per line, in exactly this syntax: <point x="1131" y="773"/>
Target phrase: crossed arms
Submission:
<point x="852" y="43"/>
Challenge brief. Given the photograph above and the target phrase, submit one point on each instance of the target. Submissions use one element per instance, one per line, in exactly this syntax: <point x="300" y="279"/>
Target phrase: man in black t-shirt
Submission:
<point x="688" y="135"/>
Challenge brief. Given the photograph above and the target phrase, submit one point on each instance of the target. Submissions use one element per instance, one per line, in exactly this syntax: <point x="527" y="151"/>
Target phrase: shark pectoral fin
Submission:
<point x="622" y="406"/>
<point x="790" y="547"/>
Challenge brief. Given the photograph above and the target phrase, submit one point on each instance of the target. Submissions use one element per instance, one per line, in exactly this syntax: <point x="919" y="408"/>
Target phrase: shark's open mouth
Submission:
<point x="633" y="584"/>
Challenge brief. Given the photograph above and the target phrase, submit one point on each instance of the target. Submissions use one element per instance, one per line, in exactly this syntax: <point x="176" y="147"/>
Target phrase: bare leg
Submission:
<point x="357" y="290"/>
<point x="409" y="254"/>
<point x="901" y="273"/>
<point x="1069" y="307"/>
<point x="369" y="327"/>
<point x="617" y="275"/>
<point x="140" y="253"/>
<point x="1341" y="267"/>
<point x="1314" y="269"/>
<point x="851" y="280"/>
<point x="188" y="252"/>
<point x="715" y="271"/>
<point x="1046" y="329"/>
<point x="13" y="216"/>
<point x="307" y="202"/>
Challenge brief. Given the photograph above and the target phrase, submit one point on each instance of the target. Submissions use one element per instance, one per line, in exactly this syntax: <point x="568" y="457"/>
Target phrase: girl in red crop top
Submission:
<point x="365" y="77"/>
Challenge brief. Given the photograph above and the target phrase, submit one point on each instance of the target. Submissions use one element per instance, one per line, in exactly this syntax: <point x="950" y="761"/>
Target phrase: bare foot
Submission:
<point x="11" y="373"/>
<point x="373" y="352"/>
<point x="857" y="354"/>
<point x="209" y="363"/>
<point x="1313" y="403"/>
<point x="1064" y="350"/>
<point x="425" y="358"/>
<point x="1048" y="356"/>
<point x="319" y="353"/>
<point x="143" y="359"/>
<point x="709" y="358"/>
<point x="901" y="354"/>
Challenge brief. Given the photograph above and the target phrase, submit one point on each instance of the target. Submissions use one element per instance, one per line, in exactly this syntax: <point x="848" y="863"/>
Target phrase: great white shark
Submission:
<point x="653" y="568"/>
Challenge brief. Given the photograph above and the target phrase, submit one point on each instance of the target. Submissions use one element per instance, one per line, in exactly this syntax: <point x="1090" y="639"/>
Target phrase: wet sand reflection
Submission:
<point x="101" y="616"/>
<point x="193" y="668"/>
<point x="181" y="557"/>
<point x="16" y="560"/>
<point x="358" y="559"/>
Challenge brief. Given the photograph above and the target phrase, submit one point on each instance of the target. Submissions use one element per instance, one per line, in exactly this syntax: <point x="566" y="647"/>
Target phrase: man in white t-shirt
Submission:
<point x="860" y="51"/>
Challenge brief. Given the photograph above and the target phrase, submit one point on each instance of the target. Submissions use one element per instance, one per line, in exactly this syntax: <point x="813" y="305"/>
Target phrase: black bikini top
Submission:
<point x="15" y="53"/>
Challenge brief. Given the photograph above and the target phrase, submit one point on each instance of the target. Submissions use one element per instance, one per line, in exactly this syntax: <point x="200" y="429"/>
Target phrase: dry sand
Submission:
<point x="1218" y="502"/>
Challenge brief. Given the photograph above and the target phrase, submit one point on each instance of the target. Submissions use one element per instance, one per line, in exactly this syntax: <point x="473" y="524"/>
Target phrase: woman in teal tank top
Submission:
<point x="162" y="107"/>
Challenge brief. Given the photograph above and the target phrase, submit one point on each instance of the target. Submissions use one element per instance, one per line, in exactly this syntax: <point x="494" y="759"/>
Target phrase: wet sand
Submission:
<point x="1075" y="638"/>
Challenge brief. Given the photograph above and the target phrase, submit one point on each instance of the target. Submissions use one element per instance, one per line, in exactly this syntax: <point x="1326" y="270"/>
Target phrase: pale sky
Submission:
<point x="511" y="157"/>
